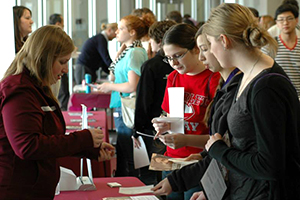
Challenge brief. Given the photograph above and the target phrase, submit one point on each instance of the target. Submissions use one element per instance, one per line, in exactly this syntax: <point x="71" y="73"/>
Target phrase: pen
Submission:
<point x="143" y="134"/>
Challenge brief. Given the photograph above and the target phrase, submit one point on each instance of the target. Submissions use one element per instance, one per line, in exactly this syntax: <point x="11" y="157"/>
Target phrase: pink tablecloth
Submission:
<point x="91" y="100"/>
<point x="102" y="189"/>
<point x="100" y="169"/>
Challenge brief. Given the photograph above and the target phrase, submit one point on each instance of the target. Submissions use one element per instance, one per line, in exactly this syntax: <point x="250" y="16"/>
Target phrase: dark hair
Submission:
<point x="158" y="30"/>
<point x="18" y="12"/>
<point x="182" y="35"/>
<point x="254" y="12"/>
<point x="54" y="18"/>
<point x="175" y="16"/>
<point x="293" y="2"/>
<point x="187" y="21"/>
<point x="287" y="8"/>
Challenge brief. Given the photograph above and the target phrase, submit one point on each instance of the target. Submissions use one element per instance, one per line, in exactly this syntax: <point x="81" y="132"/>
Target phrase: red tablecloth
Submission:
<point x="91" y="100"/>
<point x="102" y="189"/>
<point x="100" y="169"/>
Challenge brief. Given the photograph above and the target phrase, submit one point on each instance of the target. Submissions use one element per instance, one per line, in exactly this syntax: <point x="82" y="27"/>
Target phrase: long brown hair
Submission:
<point x="39" y="53"/>
<point x="18" y="13"/>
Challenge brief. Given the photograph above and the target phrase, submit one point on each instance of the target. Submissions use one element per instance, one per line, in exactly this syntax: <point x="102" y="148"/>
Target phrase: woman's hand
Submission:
<point x="162" y="188"/>
<point x="97" y="136"/>
<point x="136" y="142"/>
<point x="195" y="156"/>
<point x="160" y="127"/>
<point x="107" y="151"/>
<point x="174" y="140"/>
<point x="104" y="87"/>
<point x="212" y="139"/>
<point x="198" y="196"/>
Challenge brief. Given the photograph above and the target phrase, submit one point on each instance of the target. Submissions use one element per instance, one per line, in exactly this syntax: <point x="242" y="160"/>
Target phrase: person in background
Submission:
<point x="61" y="88"/>
<point x="188" y="16"/>
<point x="274" y="30"/>
<point x="22" y="25"/>
<point x="288" y="53"/>
<point x="175" y="16"/>
<point x="57" y="19"/>
<point x="126" y="71"/>
<point x="181" y="51"/>
<point x="255" y="14"/>
<point x="264" y="155"/>
<point x="94" y="54"/>
<point x="266" y="21"/>
<point x="32" y="127"/>
<point x="146" y="13"/>
<point x="150" y="94"/>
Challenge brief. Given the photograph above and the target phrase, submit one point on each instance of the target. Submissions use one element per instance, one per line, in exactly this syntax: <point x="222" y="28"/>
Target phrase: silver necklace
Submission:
<point x="242" y="87"/>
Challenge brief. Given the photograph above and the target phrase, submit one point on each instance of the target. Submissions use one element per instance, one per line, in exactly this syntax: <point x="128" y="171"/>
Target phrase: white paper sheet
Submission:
<point x="213" y="182"/>
<point x="176" y="107"/>
<point x="136" y="190"/>
<point x="146" y="197"/>
<point x="140" y="154"/>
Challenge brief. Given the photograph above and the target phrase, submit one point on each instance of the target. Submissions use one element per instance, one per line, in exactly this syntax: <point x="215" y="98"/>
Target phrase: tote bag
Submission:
<point x="128" y="109"/>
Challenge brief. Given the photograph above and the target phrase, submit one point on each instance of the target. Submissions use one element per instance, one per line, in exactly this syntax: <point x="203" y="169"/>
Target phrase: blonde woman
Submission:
<point x="32" y="127"/>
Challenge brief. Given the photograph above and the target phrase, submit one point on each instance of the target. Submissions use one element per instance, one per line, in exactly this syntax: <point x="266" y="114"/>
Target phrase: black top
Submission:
<point x="264" y="160"/>
<point x="150" y="92"/>
<point x="94" y="54"/>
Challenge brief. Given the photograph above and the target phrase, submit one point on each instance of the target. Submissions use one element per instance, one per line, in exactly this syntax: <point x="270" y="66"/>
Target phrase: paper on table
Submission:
<point x="146" y="197"/>
<point x="142" y="197"/>
<point x="136" y="190"/>
<point x="140" y="154"/>
<point x="176" y="108"/>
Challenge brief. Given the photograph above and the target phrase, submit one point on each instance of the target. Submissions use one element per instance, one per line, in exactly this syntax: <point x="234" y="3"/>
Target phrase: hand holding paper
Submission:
<point x="162" y="188"/>
<point x="105" y="87"/>
<point x="160" y="127"/>
<point x="175" y="140"/>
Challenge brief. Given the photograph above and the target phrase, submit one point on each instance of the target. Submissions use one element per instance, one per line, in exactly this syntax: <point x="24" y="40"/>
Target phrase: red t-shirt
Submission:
<point x="199" y="90"/>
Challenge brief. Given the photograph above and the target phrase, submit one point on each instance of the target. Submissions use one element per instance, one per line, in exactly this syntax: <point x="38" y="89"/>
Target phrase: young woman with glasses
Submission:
<point x="199" y="88"/>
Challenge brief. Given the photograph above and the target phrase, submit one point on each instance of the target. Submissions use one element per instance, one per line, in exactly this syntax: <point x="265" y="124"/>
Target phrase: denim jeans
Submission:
<point x="124" y="147"/>
<point x="180" y="195"/>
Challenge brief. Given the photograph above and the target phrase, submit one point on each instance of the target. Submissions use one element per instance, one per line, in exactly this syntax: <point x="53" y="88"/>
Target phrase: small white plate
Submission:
<point x="168" y="119"/>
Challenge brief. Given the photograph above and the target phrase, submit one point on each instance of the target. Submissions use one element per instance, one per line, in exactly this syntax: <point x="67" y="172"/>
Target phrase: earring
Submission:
<point x="224" y="48"/>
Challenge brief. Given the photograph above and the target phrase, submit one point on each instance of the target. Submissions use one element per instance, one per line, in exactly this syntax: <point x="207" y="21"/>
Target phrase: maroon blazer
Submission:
<point x="31" y="138"/>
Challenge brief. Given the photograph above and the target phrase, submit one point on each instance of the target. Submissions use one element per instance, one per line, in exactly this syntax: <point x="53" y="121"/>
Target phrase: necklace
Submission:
<point x="242" y="87"/>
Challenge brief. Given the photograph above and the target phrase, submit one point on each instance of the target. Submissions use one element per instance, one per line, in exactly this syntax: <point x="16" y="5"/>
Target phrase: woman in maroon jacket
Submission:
<point x="31" y="124"/>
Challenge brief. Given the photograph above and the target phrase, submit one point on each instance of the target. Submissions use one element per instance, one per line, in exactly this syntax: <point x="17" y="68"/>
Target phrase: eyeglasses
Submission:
<point x="169" y="59"/>
<point x="288" y="19"/>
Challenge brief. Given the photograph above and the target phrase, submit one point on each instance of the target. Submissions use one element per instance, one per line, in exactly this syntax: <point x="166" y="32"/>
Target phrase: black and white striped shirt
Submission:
<point x="289" y="60"/>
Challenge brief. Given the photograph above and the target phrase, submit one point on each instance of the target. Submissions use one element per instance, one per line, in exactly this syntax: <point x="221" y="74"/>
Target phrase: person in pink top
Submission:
<point x="199" y="88"/>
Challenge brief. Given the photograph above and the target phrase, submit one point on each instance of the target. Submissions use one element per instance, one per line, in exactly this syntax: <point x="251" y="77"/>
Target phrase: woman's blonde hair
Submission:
<point x="38" y="54"/>
<point x="238" y="24"/>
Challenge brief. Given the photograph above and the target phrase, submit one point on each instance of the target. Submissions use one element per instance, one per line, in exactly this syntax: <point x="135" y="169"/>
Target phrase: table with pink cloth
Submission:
<point x="91" y="100"/>
<point x="99" y="119"/>
<point x="103" y="190"/>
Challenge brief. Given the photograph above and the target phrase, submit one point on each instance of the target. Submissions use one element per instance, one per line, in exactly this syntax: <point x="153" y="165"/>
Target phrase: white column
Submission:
<point x="7" y="40"/>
